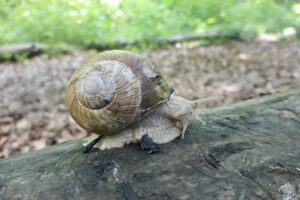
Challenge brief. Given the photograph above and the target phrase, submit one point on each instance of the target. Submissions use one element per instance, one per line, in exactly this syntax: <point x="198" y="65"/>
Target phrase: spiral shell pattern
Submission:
<point x="113" y="89"/>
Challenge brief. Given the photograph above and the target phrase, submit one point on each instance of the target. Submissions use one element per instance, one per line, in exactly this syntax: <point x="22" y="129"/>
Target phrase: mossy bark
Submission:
<point x="248" y="150"/>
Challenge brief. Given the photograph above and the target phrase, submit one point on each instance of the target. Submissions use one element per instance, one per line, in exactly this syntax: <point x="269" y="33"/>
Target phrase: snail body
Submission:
<point x="122" y="96"/>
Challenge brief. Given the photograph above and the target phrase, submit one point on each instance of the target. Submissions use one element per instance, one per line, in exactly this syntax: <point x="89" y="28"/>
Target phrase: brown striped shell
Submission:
<point x="113" y="89"/>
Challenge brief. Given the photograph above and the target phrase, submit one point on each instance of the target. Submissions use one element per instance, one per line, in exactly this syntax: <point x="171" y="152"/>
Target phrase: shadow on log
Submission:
<point x="248" y="150"/>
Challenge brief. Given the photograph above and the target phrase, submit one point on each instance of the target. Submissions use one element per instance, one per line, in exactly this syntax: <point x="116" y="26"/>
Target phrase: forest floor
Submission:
<point x="33" y="113"/>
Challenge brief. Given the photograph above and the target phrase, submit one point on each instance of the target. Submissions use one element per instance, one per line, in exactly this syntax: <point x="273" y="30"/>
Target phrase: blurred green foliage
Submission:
<point x="85" y="22"/>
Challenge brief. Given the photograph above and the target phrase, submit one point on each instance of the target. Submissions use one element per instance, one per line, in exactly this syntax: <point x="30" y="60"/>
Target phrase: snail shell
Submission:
<point x="122" y="96"/>
<point x="112" y="90"/>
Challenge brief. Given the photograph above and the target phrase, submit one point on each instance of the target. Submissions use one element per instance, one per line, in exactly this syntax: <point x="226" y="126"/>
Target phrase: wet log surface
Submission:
<point x="248" y="150"/>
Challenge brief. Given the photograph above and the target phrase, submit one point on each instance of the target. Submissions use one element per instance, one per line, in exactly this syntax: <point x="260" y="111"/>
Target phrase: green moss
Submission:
<point x="241" y="112"/>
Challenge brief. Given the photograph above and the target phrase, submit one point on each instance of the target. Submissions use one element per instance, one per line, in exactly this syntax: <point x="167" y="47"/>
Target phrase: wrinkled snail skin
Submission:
<point x="167" y="122"/>
<point x="122" y="96"/>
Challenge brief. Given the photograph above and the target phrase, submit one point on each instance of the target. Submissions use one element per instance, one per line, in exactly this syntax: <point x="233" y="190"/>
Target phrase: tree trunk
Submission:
<point x="248" y="150"/>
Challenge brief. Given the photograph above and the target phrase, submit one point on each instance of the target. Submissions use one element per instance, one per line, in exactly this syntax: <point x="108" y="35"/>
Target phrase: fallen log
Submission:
<point x="160" y="41"/>
<point x="12" y="51"/>
<point x="247" y="150"/>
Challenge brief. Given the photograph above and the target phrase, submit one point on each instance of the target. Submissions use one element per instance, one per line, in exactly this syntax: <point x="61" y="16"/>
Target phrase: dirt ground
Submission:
<point x="33" y="113"/>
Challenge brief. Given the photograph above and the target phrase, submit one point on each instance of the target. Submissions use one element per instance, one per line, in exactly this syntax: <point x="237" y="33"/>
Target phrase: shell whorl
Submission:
<point x="113" y="89"/>
<point x="101" y="81"/>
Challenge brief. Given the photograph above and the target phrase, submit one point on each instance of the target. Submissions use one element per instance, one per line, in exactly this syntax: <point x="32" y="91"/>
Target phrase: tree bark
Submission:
<point x="247" y="150"/>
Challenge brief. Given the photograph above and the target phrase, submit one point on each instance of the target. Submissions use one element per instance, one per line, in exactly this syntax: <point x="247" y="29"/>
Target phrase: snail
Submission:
<point x="122" y="98"/>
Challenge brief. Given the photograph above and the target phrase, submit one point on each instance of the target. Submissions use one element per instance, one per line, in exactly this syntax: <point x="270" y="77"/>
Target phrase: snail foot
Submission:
<point x="148" y="144"/>
<point x="91" y="144"/>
